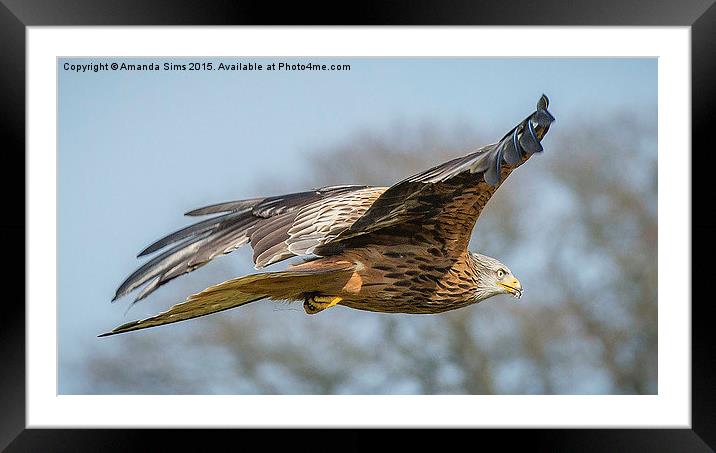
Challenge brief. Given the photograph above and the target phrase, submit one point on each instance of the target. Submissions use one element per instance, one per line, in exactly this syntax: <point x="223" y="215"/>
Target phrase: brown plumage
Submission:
<point x="400" y="249"/>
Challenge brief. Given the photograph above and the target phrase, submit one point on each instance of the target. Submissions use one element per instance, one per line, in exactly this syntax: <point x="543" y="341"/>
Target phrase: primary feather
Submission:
<point x="265" y="223"/>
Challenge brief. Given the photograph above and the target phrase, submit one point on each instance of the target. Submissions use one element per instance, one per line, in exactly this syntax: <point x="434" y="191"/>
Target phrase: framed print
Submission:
<point x="343" y="169"/>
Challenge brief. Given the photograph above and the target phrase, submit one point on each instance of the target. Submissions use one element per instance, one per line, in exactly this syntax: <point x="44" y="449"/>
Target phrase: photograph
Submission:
<point x="284" y="225"/>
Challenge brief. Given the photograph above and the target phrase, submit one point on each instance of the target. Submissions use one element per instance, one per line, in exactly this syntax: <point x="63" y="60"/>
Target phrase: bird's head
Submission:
<point x="494" y="278"/>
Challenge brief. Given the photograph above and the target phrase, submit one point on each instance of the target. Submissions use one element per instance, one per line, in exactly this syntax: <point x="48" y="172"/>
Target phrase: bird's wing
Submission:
<point x="449" y="198"/>
<point x="277" y="228"/>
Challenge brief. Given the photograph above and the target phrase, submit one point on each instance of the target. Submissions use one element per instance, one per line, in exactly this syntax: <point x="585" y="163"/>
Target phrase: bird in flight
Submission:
<point x="397" y="249"/>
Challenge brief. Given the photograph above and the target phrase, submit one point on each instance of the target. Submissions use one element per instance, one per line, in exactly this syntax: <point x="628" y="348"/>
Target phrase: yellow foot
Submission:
<point x="315" y="304"/>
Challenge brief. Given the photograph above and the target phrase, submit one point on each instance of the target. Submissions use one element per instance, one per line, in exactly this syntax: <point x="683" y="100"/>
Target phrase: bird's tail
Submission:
<point x="293" y="284"/>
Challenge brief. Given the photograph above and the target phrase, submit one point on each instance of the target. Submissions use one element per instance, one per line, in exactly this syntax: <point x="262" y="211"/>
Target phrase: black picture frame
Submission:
<point x="16" y="15"/>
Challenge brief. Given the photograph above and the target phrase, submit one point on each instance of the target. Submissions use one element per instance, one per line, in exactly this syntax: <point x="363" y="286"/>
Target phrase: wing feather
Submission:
<point x="263" y="222"/>
<point x="229" y="206"/>
<point x="424" y="196"/>
<point x="269" y="234"/>
<point x="321" y="222"/>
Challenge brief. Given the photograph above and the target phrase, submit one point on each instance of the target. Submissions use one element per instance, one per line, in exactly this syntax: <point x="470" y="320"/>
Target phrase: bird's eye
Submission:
<point x="500" y="273"/>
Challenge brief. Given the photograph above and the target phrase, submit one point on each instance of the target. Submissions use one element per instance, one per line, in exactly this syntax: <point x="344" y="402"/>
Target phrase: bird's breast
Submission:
<point x="408" y="280"/>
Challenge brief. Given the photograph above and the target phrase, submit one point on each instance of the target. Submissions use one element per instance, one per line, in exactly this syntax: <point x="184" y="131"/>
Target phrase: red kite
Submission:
<point x="398" y="249"/>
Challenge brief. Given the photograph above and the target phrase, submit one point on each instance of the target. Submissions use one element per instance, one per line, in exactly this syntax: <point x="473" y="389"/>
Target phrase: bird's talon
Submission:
<point x="315" y="304"/>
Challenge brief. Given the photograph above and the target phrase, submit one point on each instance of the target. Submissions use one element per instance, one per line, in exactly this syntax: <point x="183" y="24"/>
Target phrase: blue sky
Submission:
<point x="138" y="149"/>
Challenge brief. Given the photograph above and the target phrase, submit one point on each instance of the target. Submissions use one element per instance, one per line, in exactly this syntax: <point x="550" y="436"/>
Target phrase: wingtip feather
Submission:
<point x="543" y="102"/>
<point x="148" y="250"/>
<point x="120" y="329"/>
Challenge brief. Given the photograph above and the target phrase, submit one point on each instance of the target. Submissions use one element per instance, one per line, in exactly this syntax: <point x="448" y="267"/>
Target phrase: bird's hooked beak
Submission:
<point x="512" y="286"/>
